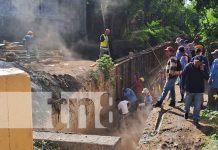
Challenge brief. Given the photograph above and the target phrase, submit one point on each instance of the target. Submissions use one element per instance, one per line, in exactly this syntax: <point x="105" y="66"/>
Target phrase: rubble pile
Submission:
<point x="45" y="82"/>
<point x="21" y="54"/>
<point x="50" y="83"/>
<point x="12" y="45"/>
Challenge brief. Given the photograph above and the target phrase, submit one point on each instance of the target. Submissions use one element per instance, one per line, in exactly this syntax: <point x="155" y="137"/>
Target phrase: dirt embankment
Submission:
<point x="56" y="76"/>
<point x="172" y="131"/>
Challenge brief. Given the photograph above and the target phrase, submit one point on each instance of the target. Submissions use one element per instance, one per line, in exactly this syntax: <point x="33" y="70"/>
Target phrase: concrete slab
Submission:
<point x="16" y="109"/>
<point x="80" y="141"/>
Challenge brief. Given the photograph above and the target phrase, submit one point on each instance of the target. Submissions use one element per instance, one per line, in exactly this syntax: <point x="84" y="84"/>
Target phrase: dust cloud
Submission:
<point x="131" y="129"/>
<point x="51" y="21"/>
<point x="107" y="5"/>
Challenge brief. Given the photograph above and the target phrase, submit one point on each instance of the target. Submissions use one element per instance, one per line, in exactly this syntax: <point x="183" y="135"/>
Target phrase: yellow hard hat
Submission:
<point x="146" y="91"/>
<point x="142" y="79"/>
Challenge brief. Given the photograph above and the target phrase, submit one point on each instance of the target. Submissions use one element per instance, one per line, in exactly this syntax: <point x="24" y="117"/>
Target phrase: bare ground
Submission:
<point x="175" y="133"/>
<point x="74" y="67"/>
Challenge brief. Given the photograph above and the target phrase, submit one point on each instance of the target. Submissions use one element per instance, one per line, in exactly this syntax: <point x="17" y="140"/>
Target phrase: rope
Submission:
<point x="157" y="58"/>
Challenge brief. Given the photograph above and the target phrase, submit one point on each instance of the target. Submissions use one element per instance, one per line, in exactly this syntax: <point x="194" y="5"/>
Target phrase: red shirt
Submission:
<point x="138" y="86"/>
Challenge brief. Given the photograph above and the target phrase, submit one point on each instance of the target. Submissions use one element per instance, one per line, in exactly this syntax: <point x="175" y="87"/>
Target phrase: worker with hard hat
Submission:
<point x="29" y="43"/>
<point x="104" y="43"/>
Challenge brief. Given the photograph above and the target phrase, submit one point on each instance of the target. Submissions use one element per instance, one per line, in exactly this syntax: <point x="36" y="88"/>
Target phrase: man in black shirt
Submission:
<point x="193" y="77"/>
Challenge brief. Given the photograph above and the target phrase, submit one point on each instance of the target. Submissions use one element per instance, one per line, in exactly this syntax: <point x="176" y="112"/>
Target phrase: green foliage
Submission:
<point x="94" y="76"/>
<point x="135" y="6"/>
<point x="163" y="20"/>
<point x="201" y="5"/>
<point x="211" y="115"/>
<point x="209" y="30"/>
<point x="152" y="34"/>
<point x="139" y="38"/>
<point x="105" y="65"/>
<point x="166" y="19"/>
<point x="212" y="143"/>
<point x="46" y="145"/>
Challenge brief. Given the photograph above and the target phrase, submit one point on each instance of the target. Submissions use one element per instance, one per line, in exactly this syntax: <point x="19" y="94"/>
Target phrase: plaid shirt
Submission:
<point x="171" y="67"/>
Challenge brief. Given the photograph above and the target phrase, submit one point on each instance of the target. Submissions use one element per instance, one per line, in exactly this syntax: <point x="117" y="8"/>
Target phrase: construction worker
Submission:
<point x="104" y="43"/>
<point x="30" y="43"/>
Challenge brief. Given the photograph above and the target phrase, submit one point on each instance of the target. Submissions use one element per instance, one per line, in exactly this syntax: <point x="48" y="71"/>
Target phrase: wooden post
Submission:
<point x="15" y="110"/>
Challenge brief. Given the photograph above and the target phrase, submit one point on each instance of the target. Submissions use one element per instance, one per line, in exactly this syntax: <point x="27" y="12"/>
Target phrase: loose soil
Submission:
<point x="175" y="132"/>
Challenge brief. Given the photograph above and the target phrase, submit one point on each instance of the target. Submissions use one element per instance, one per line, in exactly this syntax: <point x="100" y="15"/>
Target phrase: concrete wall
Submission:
<point x="15" y="112"/>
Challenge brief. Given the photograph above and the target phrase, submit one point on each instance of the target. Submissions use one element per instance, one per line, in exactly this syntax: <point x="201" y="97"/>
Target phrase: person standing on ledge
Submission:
<point x="173" y="70"/>
<point x="104" y="43"/>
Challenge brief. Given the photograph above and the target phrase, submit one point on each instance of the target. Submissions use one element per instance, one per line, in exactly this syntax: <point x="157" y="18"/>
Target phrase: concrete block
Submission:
<point x="16" y="110"/>
<point x="80" y="142"/>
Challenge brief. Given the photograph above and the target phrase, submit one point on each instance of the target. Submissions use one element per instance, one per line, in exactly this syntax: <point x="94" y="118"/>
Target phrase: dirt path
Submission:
<point x="174" y="132"/>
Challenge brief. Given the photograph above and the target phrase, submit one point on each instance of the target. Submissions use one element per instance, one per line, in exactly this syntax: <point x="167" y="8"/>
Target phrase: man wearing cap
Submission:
<point x="104" y="43"/>
<point x="193" y="77"/>
<point x="213" y="81"/>
<point x="179" y="41"/>
<point x="198" y="51"/>
<point x="173" y="70"/>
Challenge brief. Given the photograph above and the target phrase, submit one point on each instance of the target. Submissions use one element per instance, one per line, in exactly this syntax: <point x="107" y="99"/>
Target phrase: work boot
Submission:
<point x="203" y="107"/>
<point x="181" y="101"/>
<point x="172" y="104"/>
<point x="157" y="104"/>
<point x="186" y="116"/>
<point x="196" y="123"/>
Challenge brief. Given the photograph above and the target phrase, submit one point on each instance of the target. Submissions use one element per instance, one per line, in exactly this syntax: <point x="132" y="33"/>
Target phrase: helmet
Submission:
<point x="29" y="33"/>
<point x="142" y="79"/>
<point x="146" y="91"/>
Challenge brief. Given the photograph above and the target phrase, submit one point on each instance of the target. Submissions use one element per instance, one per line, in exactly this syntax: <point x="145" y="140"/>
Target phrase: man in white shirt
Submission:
<point x="123" y="107"/>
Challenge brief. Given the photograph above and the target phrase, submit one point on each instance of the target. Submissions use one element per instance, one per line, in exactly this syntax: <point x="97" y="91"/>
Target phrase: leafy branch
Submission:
<point x="105" y="65"/>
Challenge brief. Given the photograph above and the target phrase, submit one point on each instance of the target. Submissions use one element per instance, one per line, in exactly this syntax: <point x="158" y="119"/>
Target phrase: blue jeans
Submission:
<point x="195" y="98"/>
<point x="169" y="86"/>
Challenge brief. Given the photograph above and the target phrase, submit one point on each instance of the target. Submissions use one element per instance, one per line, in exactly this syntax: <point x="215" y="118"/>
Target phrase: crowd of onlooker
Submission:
<point x="187" y="67"/>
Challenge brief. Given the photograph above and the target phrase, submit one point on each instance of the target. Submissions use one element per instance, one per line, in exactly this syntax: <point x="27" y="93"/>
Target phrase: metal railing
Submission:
<point x="144" y="63"/>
